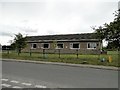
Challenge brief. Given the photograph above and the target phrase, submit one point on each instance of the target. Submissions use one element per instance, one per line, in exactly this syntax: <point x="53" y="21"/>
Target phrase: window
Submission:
<point x="75" y="46"/>
<point x="59" y="46"/>
<point x="46" y="45"/>
<point x="33" y="46"/>
<point x="91" y="46"/>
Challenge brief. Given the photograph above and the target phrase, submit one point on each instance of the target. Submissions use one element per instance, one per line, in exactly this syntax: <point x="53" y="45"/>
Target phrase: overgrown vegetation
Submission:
<point x="110" y="32"/>
<point x="19" y="43"/>
<point x="66" y="58"/>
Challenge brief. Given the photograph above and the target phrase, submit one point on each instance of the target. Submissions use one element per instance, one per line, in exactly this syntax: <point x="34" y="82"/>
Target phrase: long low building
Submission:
<point x="85" y="43"/>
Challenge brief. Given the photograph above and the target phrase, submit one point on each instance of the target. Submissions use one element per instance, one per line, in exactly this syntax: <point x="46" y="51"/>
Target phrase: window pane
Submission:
<point x="45" y="45"/>
<point x="59" y="45"/>
<point x="75" y="45"/>
<point x="88" y="45"/>
<point x="34" y="45"/>
<point x="92" y="45"/>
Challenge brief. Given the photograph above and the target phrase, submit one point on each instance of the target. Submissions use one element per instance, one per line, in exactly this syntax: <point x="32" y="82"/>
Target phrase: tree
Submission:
<point x="110" y="32"/>
<point x="19" y="42"/>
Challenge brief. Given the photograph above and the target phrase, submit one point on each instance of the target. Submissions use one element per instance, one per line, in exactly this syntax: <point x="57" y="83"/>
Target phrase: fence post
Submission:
<point x="99" y="52"/>
<point x="59" y="52"/>
<point x="77" y="53"/>
<point x="30" y="52"/>
<point x="43" y="53"/>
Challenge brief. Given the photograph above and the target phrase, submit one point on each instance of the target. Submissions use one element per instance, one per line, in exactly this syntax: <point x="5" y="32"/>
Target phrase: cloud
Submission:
<point x="58" y="0"/>
<point x="54" y="16"/>
<point x="5" y="34"/>
<point x="51" y="32"/>
<point x="28" y="29"/>
<point x="10" y="30"/>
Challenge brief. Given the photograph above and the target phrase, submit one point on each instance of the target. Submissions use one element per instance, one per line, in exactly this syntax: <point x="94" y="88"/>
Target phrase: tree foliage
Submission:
<point x="110" y="32"/>
<point x="19" y="42"/>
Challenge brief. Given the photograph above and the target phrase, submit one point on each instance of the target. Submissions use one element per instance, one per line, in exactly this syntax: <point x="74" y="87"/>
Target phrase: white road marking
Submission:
<point x="27" y="84"/>
<point x="16" y="87"/>
<point x="40" y="86"/>
<point x="5" y="85"/>
<point x="4" y="79"/>
<point x="13" y="81"/>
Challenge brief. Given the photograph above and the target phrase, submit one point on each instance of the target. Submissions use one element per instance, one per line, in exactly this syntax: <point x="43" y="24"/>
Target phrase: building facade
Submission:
<point x="69" y="43"/>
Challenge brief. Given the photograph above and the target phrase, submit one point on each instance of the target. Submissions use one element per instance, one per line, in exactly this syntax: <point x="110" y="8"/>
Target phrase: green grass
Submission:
<point x="113" y="52"/>
<point x="65" y="58"/>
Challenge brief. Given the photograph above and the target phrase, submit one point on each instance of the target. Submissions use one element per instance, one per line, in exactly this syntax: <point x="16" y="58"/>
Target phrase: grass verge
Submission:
<point x="65" y="58"/>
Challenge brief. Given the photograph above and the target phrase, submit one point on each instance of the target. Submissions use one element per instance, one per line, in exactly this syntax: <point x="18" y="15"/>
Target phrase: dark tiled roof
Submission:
<point x="63" y="37"/>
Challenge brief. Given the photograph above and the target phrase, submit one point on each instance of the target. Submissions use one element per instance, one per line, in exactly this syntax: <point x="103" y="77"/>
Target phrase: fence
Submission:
<point x="100" y="59"/>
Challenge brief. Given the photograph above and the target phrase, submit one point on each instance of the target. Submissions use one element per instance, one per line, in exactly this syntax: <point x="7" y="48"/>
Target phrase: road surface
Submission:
<point x="31" y="75"/>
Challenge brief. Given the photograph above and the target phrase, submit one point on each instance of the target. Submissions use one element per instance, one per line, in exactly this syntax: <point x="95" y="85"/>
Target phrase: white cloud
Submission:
<point x="54" y="16"/>
<point x="59" y="0"/>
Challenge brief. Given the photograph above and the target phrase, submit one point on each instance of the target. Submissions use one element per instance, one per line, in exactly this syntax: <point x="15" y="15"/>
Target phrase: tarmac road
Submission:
<point x="27" y="75"/>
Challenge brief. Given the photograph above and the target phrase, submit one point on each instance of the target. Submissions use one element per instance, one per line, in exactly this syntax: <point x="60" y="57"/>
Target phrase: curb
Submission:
<point x="65" y="64"/>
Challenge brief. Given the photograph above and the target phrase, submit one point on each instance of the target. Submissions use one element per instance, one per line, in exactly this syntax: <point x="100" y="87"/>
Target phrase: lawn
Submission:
<point x="66" y="58"/>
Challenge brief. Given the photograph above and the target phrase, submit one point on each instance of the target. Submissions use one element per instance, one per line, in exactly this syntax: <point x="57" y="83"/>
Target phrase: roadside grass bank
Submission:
<point x="67" y="58"/>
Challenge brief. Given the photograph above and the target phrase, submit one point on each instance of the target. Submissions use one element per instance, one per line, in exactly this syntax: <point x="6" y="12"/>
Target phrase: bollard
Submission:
<point x="110" y="59"/>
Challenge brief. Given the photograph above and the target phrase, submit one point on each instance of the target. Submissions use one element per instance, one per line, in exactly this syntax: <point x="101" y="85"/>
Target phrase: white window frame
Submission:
<point x="43" y="45"/>
<point x="92" y="43"/>
<point x="32" y="45"/>
<point x="57" y="46"/>
<point x="71" y="44"/>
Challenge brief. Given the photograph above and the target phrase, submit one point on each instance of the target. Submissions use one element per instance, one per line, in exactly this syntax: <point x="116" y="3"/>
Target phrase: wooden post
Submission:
<point x="100" y="52"/>
<point x="43" y="53"/>
<point x="59" y="52"/>
<point x="30" y="52"/>
<point x="77" y="53"/>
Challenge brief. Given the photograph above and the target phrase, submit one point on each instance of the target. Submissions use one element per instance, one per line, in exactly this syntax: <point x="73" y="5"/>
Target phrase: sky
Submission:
<point x="49" y="17"/>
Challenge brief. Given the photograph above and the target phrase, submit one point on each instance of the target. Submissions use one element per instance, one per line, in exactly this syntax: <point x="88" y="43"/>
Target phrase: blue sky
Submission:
<point x="45" y="17"/>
